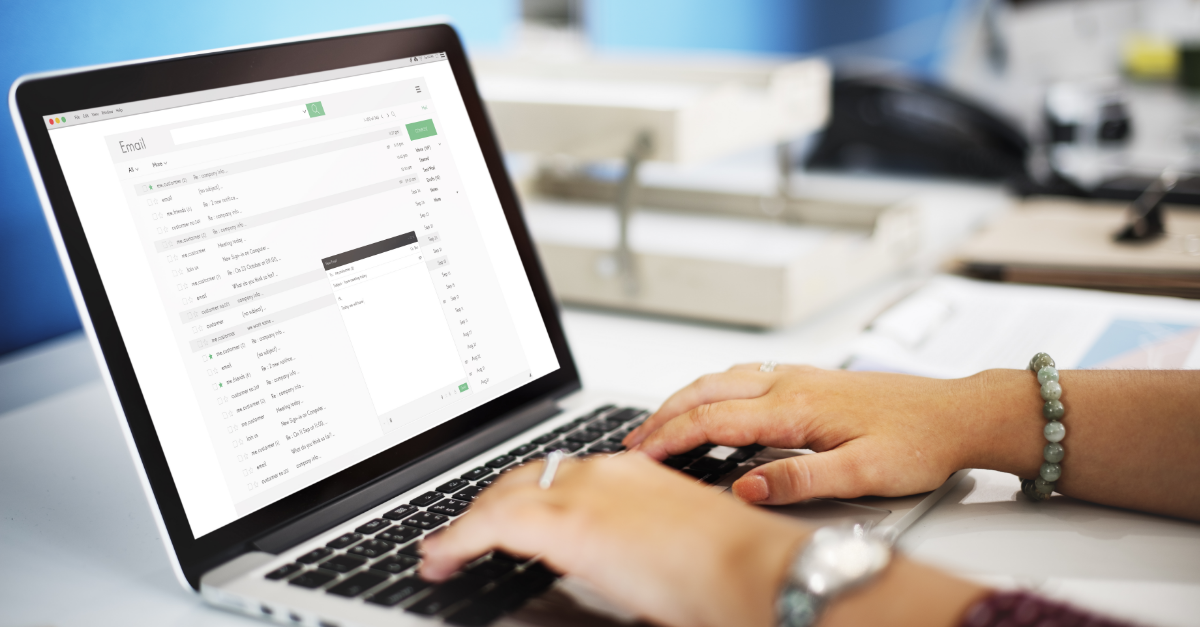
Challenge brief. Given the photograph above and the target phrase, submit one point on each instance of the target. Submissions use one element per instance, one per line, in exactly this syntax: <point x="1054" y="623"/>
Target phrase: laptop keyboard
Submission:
<point x="377" y="562"/>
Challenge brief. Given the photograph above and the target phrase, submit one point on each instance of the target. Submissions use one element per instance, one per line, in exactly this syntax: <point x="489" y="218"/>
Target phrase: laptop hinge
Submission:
<point x="404" y="479"/>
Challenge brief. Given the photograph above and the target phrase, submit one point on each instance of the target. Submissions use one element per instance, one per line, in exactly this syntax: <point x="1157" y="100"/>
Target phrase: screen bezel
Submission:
<point x="38" y="98"/>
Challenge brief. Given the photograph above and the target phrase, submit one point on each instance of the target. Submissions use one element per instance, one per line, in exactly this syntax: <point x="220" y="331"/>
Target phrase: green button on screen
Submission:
<point x="315" y="110"/>
<point x="462" y="388"/>
<point x="421" y="130"/>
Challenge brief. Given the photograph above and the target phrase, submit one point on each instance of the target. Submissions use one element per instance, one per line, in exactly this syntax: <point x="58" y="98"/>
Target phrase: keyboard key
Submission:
<point x="428" y="498"/>
<point x="452" y="486"/>
<point x="399" y="591"/>
<point x="474" y="613"/>
<point x="539" y="572"/>
<point x="710" y="465"/>
<point x="395" y="564"/>
<point x="695" y="472"/>
<point x="605" y="447"/>
<point x="567" y="428"/>
<point x="343" y="563"/>
<point x="424" y="520"/>
<point x="284" y="571"/>
<point x="313" y="578"/>
<point x="545" y="439"/>
<point x="357" y="584"/>
<point x="412" y="550"/>
<point x="698" y="452"/>
<point x="400" y="513"/>
<point x="533" y="458"/>
<point x="624" y="415"/>
<point x="677" y="462"/>
<point x="508" y="596"/>
<point x="492" y="569"/>
<point x="606" y="425"/>
<point x="399" y="535"/>
<point x="619" y="435"/>
<point x="314" y="556"/>
<point x="477" y="473"/>
<point x="740" y="456"/>
<point x="523" y="450"/>
<point x="566" y="446"/>
<point x="585" y="436"/>
<point x="502" y="461"/>
<point x="447" y="594"/>
<point x="469" y="494"/>
<point x="449" y="507"/>
<point x="372" y="549"/>
<point x="344" y="540"/>
<point x="373" y="526"/>
<point x="601" y="409"/>
<point x="508" y="557"/>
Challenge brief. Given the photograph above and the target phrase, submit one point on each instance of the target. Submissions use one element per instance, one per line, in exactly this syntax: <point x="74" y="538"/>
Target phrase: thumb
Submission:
<point x="834" y="473"/>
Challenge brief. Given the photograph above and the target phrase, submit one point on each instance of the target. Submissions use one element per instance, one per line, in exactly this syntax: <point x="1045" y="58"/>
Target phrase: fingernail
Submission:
<point x="751" y="489"/>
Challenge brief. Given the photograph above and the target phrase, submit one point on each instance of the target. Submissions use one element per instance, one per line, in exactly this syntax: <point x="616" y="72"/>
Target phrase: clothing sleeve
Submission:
<point x="1016" y="608"/>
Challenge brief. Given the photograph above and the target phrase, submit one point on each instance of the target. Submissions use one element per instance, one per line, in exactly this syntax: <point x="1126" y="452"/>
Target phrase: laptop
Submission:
<point x="322" y="321"/>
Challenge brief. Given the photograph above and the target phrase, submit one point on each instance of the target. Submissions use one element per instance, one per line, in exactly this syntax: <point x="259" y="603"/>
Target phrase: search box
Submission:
<point x="264" y="119"/>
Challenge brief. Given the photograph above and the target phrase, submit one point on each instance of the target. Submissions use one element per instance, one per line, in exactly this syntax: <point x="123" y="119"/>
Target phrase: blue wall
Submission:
<point x="775" y="26"/>
<point x="35" y="303"/>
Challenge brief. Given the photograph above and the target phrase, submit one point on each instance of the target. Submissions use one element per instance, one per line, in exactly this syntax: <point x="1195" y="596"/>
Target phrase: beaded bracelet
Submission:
<point x="1052" y="409"/>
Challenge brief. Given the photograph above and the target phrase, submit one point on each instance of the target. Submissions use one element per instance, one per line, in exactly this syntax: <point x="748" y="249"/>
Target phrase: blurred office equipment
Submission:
<point x="1071" y="242"/>
<point x="624" y="194"/>
<point x="893" y="123"/>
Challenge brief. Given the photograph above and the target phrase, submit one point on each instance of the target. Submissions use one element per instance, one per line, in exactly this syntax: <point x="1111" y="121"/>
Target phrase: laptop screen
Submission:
<point x="306" y="272"/>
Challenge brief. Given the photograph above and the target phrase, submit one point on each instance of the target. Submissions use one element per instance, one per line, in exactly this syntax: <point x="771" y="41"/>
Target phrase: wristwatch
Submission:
<point x="837" y="559"/>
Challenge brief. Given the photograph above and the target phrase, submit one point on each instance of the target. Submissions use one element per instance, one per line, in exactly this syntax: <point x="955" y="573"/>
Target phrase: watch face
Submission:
<point x="839" y="557"/>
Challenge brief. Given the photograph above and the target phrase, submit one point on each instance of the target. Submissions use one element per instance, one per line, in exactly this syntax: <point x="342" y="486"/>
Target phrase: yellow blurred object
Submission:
<point x="1149" y="57"/>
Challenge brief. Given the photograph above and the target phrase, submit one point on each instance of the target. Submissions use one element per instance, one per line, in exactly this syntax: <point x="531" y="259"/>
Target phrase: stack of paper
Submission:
<point x="955" y="327"/>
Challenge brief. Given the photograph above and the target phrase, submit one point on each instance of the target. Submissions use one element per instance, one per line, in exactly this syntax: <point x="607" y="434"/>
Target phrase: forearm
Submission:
<point x="1132" y="436"/>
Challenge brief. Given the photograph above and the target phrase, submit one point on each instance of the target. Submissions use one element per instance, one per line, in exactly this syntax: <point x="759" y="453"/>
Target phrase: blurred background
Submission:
<point x="1082" y="99"/>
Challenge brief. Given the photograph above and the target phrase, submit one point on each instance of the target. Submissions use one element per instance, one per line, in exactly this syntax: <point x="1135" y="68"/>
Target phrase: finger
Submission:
<point x="518" y="523"/>
<point x="710" y="388"/>
<point x="837" y="473"/>
<point x="728" y="423"/>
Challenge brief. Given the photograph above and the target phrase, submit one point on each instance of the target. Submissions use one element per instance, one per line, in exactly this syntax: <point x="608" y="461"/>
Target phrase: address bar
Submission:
<point x="253" y="121"/>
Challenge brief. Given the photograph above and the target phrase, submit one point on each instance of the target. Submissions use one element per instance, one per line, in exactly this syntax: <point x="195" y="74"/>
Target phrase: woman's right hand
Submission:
<point x="873" y="433"/>
<point x="651" y="539"/>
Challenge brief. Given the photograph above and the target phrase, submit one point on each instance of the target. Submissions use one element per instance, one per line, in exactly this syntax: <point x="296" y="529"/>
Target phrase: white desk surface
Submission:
<point x="78" y="545"/>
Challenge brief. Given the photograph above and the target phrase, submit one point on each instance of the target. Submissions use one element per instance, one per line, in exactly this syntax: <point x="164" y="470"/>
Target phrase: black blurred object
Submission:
<point x="1087" y="113"/>
<point x="1189" y="64"/>
<point x="902" y="125"/>
<point x="1146" y="221"/>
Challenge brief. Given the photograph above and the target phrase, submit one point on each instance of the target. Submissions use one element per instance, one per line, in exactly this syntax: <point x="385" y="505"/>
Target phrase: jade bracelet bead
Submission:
<point x="1053" y="452"/>
<point x="1054" y="431"/>
<point x="1049" y="373"/>
<point x="1030" y="489"/>
<point x="1050" y="472"/>
<point x="1051" y="391"/>
<point x="1043" y="486"/>
<point x="1039" y="361"/>
<point x="1053" y="410"/>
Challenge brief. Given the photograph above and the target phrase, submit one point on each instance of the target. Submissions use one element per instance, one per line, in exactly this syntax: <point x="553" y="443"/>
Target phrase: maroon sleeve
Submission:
<point x="1022" y="609"/>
